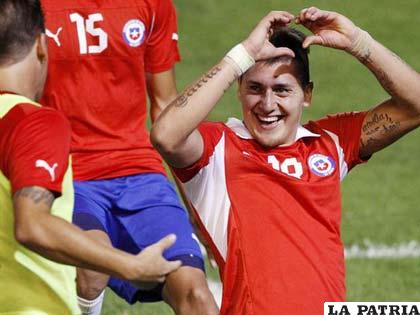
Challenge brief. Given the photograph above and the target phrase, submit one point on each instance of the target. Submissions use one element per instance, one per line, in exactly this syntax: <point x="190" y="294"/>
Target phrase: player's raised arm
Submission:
<point x="396" y="116"/>
<point x="174" y="133"/>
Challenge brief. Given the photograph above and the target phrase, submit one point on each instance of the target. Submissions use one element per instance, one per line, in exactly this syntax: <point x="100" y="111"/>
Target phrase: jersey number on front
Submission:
<point x="87" y="26"/>
<point x="290" y="166"/>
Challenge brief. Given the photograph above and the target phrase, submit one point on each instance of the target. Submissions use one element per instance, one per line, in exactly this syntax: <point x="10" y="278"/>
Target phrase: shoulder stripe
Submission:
<point x="207" y="191"/>
<point x="340" y="152"/>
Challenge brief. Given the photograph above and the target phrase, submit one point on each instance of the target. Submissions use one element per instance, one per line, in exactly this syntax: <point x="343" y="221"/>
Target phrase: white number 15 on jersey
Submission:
<point x="87" y="26"/>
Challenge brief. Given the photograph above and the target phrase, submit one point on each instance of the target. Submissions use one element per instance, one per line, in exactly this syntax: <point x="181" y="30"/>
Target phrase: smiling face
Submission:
<point x="272" y="102"/>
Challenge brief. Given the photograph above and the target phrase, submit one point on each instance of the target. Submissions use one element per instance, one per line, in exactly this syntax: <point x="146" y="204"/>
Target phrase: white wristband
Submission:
<point x="240" y="59"/>
<point x="360" y="47"/>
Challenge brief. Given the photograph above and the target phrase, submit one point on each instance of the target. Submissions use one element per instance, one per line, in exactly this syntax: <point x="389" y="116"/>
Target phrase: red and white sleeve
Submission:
<point x="347" y="128"/>
<point x="39" y="151"/>
<point x="211" y="133"/>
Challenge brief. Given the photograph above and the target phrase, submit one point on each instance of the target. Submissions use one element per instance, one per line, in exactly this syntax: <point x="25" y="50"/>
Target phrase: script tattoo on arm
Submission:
<point x="182" y="100"/>
<point x="379" y="131"/>
<point x="37" y="195"/>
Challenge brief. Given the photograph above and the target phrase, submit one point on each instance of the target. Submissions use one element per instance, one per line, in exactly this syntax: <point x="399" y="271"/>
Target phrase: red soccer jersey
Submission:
<point x="99" y="53"/>
<point x="34" y="146"/>
<point x="273" y="215"/>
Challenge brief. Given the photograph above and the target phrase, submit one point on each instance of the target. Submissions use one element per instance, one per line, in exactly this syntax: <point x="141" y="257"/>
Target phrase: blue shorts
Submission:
<point x="137" y="211"/>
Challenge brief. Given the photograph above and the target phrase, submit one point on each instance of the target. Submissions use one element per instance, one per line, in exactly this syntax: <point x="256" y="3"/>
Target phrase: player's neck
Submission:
<point x="25" y="77"/>
<point x="15" y="78"/>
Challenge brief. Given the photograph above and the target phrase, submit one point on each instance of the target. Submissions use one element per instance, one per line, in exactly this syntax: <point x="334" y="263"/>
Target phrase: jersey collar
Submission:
<point x="241" y="131"/>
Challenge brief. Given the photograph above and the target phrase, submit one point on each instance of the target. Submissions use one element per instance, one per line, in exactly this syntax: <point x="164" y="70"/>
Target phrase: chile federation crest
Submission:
<point x="134" y="32"/>
<point x="321" y="165"/>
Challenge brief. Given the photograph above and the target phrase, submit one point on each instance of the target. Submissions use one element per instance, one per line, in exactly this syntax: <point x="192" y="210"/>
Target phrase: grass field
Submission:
<point x="381" y="200"/>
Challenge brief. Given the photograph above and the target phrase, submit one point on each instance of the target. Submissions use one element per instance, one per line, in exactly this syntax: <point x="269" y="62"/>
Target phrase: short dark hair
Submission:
<point x="293" y="39"/>
<point x="21" y="21"/>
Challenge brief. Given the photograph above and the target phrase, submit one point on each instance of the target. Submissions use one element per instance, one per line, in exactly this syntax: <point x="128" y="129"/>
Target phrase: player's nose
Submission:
<point x="268" y="101"/>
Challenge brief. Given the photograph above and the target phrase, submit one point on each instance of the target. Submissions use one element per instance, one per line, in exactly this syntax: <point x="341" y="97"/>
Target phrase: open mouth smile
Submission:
<point x="269" y="122"/>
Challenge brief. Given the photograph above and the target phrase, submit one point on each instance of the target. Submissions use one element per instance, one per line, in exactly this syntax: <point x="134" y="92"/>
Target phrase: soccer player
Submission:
<point x="104" y="56"/>
<point x="36" y="193"/>
<point x="266" y="188"/>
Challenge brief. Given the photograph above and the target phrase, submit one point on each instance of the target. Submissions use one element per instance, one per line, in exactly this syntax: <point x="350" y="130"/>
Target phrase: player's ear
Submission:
<point x="307" y="97"/>
<point x="42" y="48"/>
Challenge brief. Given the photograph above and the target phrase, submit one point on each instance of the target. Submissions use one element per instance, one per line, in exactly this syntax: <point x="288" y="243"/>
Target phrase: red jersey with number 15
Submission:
<point x="99" y="53"/>
<point x="272" y="215"/>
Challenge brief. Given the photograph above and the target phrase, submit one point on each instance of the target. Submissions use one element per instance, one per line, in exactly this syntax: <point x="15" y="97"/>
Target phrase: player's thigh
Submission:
<point x="150" y="225"/>
<point x="149" y="209"/>
<point x="92" y="205"/>
<point x="146" y="227"/>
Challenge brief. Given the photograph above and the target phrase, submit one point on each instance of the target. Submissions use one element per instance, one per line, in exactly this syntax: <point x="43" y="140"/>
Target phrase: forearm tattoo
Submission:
<point x="37" y="195"/>
<point x="384" y="79"/>
<point x="378" y="131"/>
<point x="182" y="100"/>
<point x="365" y="57"/>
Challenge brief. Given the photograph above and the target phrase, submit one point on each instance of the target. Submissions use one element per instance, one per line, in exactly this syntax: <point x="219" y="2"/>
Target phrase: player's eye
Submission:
<point x="254" y="88"/>
<point x="282" y="90"/>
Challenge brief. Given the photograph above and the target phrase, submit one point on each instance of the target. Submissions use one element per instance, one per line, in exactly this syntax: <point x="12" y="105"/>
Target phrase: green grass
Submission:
<point x="383" y="280"/>
<point x="113" y="305"/>
<point x="381" y="200"/>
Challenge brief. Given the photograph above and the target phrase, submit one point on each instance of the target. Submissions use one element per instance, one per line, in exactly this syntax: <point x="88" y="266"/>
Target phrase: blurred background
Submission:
<point x="381" y="200"/>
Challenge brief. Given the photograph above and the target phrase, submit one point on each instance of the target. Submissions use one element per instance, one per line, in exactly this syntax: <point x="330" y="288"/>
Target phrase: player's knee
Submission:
<point x="198" y="298"/>
<point x="200" y="295"/>
<point x="90" y="284"/>
<point x="186" y="290"/>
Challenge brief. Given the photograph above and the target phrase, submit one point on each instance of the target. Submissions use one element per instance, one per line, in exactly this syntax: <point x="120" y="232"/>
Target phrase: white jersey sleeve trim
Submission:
<point x="343" y="165"/>
<point x="207" y="191"/>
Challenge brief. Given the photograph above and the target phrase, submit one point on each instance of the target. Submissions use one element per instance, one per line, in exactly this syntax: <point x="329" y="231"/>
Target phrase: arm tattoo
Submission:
<point x="182" y="100"/>
<point x="365" y="57"/>
<point x="37" y="195"/>
<point x="385" y="81"/>
<point x="379" y="131"/>
<point x="383" y="78"/>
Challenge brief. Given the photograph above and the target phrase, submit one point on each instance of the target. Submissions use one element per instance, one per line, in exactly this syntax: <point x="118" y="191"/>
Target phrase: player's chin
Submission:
<point x="268" y="139"/>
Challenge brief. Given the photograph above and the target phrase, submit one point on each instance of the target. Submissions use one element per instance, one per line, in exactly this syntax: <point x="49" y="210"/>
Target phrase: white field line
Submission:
<point x="371" y="250"/>
<point x="368" y="250"/>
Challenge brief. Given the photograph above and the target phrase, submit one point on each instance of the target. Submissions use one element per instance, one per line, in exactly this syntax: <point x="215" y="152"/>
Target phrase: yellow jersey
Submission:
<point x="29" y="283"/>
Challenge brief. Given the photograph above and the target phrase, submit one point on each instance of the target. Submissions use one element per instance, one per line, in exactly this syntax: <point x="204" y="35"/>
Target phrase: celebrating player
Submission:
<point x="36" y="193"/>
<point x="102" y="55"/>
<point x="267" y="189"/>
